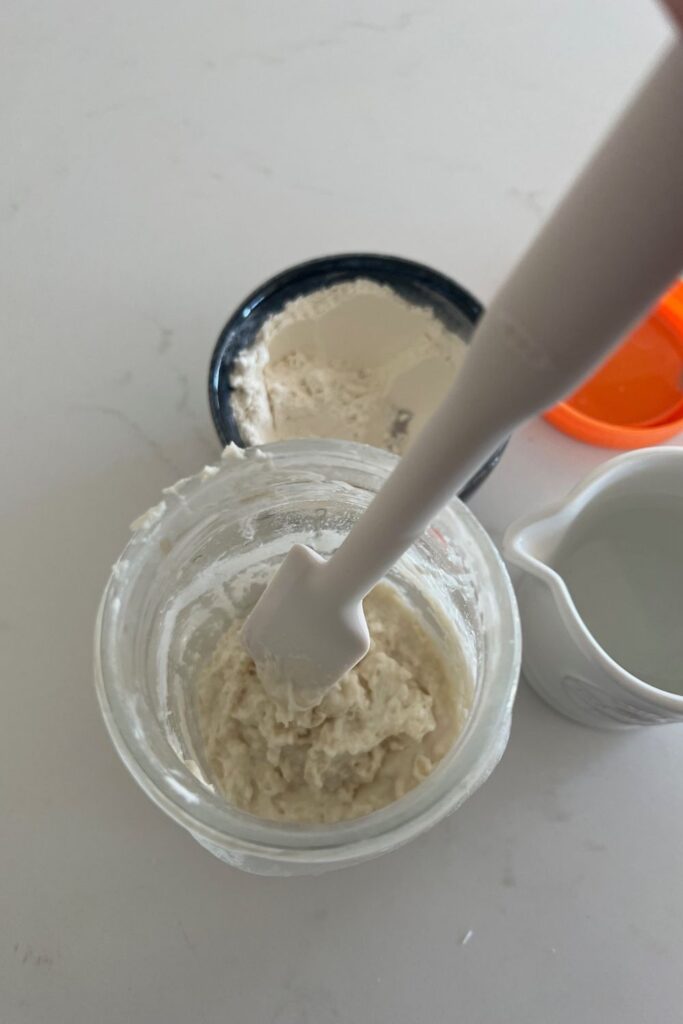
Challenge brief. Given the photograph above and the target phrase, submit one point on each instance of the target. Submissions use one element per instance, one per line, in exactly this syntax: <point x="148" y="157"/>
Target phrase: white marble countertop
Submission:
<point x="159" y="160"/>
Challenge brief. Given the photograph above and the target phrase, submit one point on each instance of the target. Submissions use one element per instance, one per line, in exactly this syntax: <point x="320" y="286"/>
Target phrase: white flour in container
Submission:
<point x="354" y="361"/>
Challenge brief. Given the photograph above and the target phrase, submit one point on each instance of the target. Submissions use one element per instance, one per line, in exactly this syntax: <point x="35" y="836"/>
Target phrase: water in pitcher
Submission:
<point x="623" y="564"/>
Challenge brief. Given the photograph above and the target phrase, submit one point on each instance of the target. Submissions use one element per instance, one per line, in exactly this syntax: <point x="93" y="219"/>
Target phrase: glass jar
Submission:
<point x="172" y="593"/>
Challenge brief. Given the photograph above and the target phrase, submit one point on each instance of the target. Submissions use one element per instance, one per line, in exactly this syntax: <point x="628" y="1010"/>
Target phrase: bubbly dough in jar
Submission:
<point x="374" y="736"/>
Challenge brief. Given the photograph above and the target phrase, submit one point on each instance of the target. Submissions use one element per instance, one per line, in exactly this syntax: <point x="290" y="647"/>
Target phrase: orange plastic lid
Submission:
<point x="636" y="397"/>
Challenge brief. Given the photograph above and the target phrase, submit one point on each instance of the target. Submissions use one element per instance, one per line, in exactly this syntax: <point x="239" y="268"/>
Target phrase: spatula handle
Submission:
<point x="603" y="257"/>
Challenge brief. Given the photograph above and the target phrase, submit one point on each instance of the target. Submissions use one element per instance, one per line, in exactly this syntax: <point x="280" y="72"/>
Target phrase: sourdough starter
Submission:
<point x="374" y="736"/>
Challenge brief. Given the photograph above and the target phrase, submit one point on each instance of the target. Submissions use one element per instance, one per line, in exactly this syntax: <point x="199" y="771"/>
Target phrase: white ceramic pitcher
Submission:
<point x="562" y="659"/>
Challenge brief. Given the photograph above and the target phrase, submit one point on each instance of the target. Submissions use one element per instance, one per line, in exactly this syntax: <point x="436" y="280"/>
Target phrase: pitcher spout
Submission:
<point x="531" y="542"/>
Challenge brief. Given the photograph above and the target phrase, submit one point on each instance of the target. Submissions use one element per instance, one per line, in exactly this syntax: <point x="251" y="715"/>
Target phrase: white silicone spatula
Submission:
<point x="605" y="255"/>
